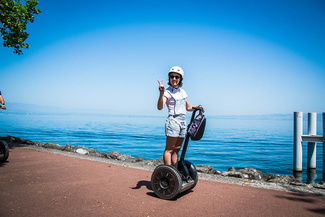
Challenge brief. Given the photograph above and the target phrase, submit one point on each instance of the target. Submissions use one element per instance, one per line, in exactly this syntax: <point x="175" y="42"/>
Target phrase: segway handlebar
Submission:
<point x="198" y="108"/>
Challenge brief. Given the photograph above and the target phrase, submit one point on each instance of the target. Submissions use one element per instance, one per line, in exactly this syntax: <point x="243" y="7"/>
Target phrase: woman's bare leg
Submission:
<point x="173" y="145"/>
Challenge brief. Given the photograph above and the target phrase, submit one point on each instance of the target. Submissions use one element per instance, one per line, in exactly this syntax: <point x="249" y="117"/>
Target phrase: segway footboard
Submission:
<point x="193" y="173"/>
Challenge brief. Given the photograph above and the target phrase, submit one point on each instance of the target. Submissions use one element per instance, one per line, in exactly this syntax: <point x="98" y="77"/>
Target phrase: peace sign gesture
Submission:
<point x="161" y="86"/>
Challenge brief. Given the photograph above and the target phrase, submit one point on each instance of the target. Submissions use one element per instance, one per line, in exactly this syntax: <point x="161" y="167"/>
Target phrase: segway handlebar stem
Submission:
<point x="182" y="158"/>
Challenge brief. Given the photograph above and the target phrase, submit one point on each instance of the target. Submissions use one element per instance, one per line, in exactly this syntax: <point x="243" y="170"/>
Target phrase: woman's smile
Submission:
<point x="174" y="79"/>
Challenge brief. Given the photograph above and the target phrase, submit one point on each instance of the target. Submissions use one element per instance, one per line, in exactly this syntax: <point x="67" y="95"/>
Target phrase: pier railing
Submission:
<point x="311" y="138"/>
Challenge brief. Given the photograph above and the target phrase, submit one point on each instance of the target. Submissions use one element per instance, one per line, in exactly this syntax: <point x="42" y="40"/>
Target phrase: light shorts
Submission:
<point x="176" y="126"/>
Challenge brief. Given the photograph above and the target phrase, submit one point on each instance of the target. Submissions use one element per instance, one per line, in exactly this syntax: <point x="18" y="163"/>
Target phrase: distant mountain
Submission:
<point x="13" y="107"/>
<point x="24" y="108"/>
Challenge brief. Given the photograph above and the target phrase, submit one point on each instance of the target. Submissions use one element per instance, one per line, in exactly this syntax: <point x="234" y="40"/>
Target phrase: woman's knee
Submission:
<point x="173" y="150"/>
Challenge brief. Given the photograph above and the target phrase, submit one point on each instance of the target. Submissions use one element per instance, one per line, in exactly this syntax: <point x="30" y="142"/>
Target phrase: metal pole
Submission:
<point x="312" y="121"/>
<point x="297" y="145"/>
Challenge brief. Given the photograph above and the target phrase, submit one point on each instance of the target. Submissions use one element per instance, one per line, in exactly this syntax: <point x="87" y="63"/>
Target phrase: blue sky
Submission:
<point x="239" y="57"/>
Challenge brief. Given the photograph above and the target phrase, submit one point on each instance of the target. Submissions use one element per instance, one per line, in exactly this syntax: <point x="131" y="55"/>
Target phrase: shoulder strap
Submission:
<point x="169" y="93"/>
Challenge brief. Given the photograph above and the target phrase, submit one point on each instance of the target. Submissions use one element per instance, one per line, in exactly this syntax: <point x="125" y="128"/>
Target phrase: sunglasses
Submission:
<point x="174" y="76"/>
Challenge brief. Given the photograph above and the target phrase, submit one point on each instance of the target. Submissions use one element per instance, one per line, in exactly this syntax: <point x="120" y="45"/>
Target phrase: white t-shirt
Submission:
<point x="176" y="100"/>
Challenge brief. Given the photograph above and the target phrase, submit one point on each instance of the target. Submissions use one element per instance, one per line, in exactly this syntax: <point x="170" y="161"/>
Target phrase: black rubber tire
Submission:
<point x="166" y="181"/>
<point x="4" y="151"/>
<point x="193" y="172"/>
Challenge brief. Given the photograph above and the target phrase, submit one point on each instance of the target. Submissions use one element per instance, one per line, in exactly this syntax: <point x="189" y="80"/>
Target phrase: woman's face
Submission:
<point x="174" y="79"/>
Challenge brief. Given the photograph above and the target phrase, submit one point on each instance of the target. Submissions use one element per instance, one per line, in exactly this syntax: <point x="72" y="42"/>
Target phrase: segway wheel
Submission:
<point x="193" y="172"/>
<point x="166" y="181"/>
<point x="4" y="151"/>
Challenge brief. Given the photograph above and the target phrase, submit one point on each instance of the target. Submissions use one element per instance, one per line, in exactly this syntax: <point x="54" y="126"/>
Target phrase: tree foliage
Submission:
<point x="14" y="17"/>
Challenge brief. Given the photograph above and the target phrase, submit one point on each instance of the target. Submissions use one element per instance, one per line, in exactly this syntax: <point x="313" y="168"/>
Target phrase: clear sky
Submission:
<point x="239" y="57"/>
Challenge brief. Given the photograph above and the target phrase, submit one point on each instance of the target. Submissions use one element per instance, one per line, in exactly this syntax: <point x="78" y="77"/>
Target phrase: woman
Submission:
<point x="177" y="103"/>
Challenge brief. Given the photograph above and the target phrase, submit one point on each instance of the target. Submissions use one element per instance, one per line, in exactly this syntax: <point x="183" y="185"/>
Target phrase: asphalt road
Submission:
<point x="37" y="183"/>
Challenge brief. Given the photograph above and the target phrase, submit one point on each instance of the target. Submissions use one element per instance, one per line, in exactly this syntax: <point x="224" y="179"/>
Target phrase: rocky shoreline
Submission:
<point x="248" y="176"/>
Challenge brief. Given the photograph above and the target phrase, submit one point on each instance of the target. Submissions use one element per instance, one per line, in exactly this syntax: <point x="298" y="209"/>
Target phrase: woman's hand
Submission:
<point x="203" y="109"/>
<point x="162" y="99"/>
<point x="161" y="87"/>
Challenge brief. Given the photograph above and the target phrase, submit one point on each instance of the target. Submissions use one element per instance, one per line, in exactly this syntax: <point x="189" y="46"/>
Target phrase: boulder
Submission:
<point x="39" y="144"/>
<point x="156" y="162"/>
<point x="89" y="151"/>
<point x="280" y="179"/>
<point x="17" y="140"/>
<point x="121" y="157"/>
<point x="205" y="169"/>
<point x="68" y="148"/>
<point x="253" y="174"/>
<point x="53" y="145"/>
<point x="82" y="151"/>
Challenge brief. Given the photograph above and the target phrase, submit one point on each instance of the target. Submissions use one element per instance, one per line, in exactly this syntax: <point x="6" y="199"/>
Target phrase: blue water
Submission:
<point x="264" y="142"/>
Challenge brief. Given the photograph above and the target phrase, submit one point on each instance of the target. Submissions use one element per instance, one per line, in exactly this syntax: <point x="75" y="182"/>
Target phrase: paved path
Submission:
<point x="36" y="183"/>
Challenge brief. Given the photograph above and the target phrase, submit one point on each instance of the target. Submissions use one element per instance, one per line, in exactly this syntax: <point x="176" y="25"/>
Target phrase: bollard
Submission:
<point x="311" y="138"/>
<point x="312" y="122"/>
<point x="297" y="141"/>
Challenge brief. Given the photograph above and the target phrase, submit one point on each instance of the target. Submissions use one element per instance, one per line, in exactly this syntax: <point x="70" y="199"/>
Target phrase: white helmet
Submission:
<point x="178" y="70"/>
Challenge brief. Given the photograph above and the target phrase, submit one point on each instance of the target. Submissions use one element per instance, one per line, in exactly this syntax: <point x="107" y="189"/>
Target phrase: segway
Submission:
<point x="167" y="181"/>
<point x="4" y="151"/>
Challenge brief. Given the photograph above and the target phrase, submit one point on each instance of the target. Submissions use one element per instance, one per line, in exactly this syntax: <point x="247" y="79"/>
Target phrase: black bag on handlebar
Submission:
<point x="197" y="126"/>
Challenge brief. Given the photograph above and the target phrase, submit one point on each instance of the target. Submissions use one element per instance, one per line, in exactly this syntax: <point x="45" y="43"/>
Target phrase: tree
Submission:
<point x="14" y="17"/>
